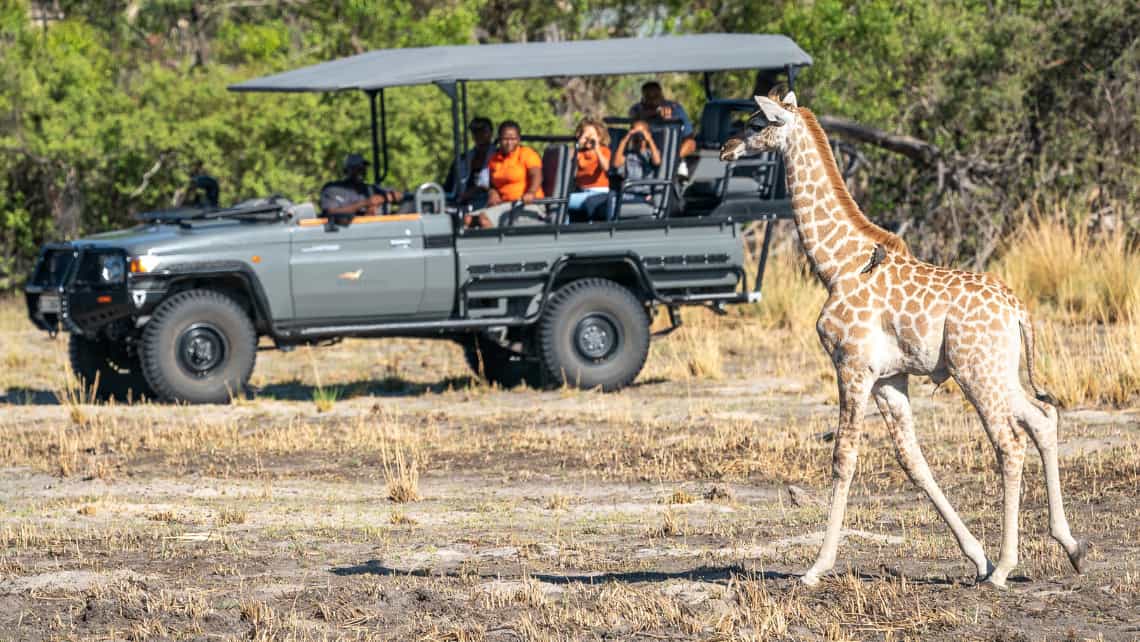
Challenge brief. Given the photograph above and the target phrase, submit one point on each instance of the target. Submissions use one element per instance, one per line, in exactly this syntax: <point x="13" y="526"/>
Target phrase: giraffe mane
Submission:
<point x="847" y="204"/>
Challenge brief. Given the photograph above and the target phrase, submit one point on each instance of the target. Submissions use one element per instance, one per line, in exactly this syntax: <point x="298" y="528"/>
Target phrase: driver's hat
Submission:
<point x="352" y="161"/>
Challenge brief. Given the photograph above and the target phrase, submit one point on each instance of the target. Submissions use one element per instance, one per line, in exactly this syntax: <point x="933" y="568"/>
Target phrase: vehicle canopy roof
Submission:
<point x="375" y="70"/>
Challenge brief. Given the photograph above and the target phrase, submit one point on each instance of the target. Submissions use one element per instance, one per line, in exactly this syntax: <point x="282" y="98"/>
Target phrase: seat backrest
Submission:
<point x="558" y="168"/>
<point x="303" y="211"/>
<point x="559" y="164"/>
<point x="759" y="176"/>
<point x="668" y="139"/>
<point x="616" y="134"/>
<point x="718" y="118"/>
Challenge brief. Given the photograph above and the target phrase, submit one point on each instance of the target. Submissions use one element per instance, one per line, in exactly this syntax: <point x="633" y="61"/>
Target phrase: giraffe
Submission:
<point x="889" y="316"/>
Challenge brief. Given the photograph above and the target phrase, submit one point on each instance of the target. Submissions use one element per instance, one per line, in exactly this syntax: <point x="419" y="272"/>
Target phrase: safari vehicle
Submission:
<point x="176" y="307"/>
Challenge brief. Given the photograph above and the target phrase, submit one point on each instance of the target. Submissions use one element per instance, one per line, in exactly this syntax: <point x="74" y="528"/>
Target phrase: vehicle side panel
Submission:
<point x="678" y="259"/>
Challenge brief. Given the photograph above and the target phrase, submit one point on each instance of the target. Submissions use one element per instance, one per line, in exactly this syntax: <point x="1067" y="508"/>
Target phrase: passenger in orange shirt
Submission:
<point x="591" y="180"/>
<point x="593" y="155"/>
<point x="514" y="174"/>
<point x="516" y="170"/>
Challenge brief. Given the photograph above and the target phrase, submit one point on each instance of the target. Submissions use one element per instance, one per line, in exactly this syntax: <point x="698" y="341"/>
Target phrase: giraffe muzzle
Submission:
<point x="732" y="149"/>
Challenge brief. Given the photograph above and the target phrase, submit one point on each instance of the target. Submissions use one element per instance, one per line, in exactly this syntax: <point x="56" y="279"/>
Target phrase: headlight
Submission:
<point x="143" y="264"/>
<point x="112" y="267"/>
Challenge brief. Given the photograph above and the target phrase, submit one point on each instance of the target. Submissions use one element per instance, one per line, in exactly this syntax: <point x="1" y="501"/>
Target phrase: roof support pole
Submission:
<point x="791" y="71"/>
<point x="449" y="87"/>
<point x="708" y="85"/>
<point x="379" y="135"/>
<point x="383" y="136"/>
<point x="463" y="121"/>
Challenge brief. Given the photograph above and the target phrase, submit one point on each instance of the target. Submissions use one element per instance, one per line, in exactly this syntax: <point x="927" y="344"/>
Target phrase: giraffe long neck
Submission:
<point x="835" y="235"/>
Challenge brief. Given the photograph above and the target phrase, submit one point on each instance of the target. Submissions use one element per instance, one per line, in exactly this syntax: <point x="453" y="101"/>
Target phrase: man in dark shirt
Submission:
<point x="352" y="196"/>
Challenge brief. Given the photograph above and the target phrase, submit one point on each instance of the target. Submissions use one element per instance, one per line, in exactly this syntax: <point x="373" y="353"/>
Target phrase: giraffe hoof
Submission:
<point x="1077" y="557"/>
<point x="810" y="579"/>
<point x="992" y="584"/>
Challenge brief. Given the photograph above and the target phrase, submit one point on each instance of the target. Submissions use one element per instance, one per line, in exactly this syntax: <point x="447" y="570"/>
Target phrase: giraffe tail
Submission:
<point x="1027" y="338"/>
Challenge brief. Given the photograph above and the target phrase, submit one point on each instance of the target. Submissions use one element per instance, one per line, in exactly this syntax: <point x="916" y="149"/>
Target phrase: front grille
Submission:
<point x="53" y="268"/>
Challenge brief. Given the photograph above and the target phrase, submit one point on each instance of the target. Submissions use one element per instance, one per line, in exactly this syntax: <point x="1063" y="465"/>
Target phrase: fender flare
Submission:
<point x="238" y="271"/>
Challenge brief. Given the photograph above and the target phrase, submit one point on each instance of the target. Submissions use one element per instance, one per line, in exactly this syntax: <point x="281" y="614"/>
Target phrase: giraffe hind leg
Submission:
<point x="892" y="399"/>
<point x="988" y="396"/>
<point x="1040" y="420"/>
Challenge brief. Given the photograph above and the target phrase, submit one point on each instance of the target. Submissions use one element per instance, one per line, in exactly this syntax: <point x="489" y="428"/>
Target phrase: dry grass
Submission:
<point x="1087" y="297"/>
<point x="1059" y="269"/>
<point x="401" y="471"/>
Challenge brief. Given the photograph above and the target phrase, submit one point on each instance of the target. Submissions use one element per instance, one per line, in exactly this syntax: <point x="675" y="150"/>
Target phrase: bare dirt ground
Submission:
<point x="682" y="508"/>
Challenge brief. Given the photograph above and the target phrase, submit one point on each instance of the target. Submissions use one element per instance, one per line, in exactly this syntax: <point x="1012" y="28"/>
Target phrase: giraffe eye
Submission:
<point x="758" y="122"/>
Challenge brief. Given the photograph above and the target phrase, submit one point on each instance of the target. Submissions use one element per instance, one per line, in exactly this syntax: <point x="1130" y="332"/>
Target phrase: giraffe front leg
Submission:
<point x="854" y="390"/>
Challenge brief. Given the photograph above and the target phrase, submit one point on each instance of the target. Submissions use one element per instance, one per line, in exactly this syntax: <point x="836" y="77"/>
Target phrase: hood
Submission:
<point x="172" y="239"/>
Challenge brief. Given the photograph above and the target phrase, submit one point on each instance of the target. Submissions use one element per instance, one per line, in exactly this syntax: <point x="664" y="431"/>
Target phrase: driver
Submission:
<point x="351" y="196"/>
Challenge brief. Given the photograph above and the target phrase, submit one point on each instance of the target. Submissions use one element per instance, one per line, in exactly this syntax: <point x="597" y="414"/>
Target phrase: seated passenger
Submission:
<point x="515" y="175"/>
<point x="637" y="157"/>
<point x="593" y="161"/>
<point x="352" y="196"/>
<point x="654" y="106"/>
<point x="472" y="188"/>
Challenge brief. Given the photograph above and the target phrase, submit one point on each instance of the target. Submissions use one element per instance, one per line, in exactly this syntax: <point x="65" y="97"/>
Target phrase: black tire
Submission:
<point x="594" y="334"/>
<point x="199" y="347"/>
<point x="111" y="367"/>
<point x="498" y="365"/>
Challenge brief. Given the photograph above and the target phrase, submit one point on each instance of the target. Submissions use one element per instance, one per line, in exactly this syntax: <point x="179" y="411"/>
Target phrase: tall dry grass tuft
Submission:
<point x="692" y="352"/>
<point x="69" y="389"/>
<point x="1090" y="364"/>
<point x="1086" y="298"/>
<point x="1058" y="269"/>
<point x="401" y="470"/>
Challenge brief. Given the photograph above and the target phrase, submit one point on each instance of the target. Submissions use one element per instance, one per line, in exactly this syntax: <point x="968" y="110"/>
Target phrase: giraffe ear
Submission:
<point x="772" y="110"/>
<point x="790" y="100"/>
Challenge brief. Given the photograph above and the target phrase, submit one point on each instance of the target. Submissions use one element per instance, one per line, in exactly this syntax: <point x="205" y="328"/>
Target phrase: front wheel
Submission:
<point x="107" y="368"/>
<point x="594" y="334"/>
<point x="199" y="347"/>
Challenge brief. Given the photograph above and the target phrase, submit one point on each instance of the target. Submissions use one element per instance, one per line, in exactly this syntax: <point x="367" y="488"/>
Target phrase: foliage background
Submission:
<point x="107" y="106"/>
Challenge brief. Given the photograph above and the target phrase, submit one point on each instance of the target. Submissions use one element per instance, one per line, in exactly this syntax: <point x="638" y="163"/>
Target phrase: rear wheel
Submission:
<point x="109" y="368"/>
<point x="199" y="347"/>
<point x="499" y="365"/>
<point x="594" y="334"/>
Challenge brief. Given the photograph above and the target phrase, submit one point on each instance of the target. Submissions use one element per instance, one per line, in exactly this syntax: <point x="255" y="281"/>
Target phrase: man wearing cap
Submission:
<point x="352" y="196"/>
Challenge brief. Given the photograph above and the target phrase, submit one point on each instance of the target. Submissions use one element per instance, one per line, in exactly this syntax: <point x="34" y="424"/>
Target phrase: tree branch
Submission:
<point x="913" y="148"/>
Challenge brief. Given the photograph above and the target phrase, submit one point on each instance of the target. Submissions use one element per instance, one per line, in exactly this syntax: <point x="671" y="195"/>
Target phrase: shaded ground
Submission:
<point x="682" y="508"/>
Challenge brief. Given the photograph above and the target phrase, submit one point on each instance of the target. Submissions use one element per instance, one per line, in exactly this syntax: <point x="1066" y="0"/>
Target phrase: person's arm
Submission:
<point x="329" y="204"/>
<point x="655" y="155"/>
<point x="686" y="123"/>
<point x="533" y="183"/>
<point x="493" y="197"/>
<point x="603" y="153"/>
<point x="619" y="155"/>
<point x="533" y="174"/>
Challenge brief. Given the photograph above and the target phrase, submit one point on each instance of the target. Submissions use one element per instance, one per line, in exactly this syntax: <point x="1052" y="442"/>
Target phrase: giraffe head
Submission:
<point x="767" y="128"/>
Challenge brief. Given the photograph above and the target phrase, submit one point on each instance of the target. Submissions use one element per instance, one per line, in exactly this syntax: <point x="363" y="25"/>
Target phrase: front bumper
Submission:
<point x="64" y="294"/>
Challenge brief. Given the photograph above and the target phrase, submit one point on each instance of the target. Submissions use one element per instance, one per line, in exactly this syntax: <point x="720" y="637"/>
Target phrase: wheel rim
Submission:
<point x="596" y="337"/>
<point x="201" y="349"/>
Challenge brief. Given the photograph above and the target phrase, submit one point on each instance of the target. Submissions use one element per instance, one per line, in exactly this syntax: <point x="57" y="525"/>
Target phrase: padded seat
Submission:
<point x="303" y="211"/>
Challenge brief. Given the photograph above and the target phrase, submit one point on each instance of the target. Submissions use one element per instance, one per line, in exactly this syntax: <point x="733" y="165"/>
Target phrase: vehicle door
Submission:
<point x="371" y="267"/>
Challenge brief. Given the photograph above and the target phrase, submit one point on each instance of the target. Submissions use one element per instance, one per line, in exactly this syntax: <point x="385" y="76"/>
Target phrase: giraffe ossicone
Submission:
<point x="889" y="316"/>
